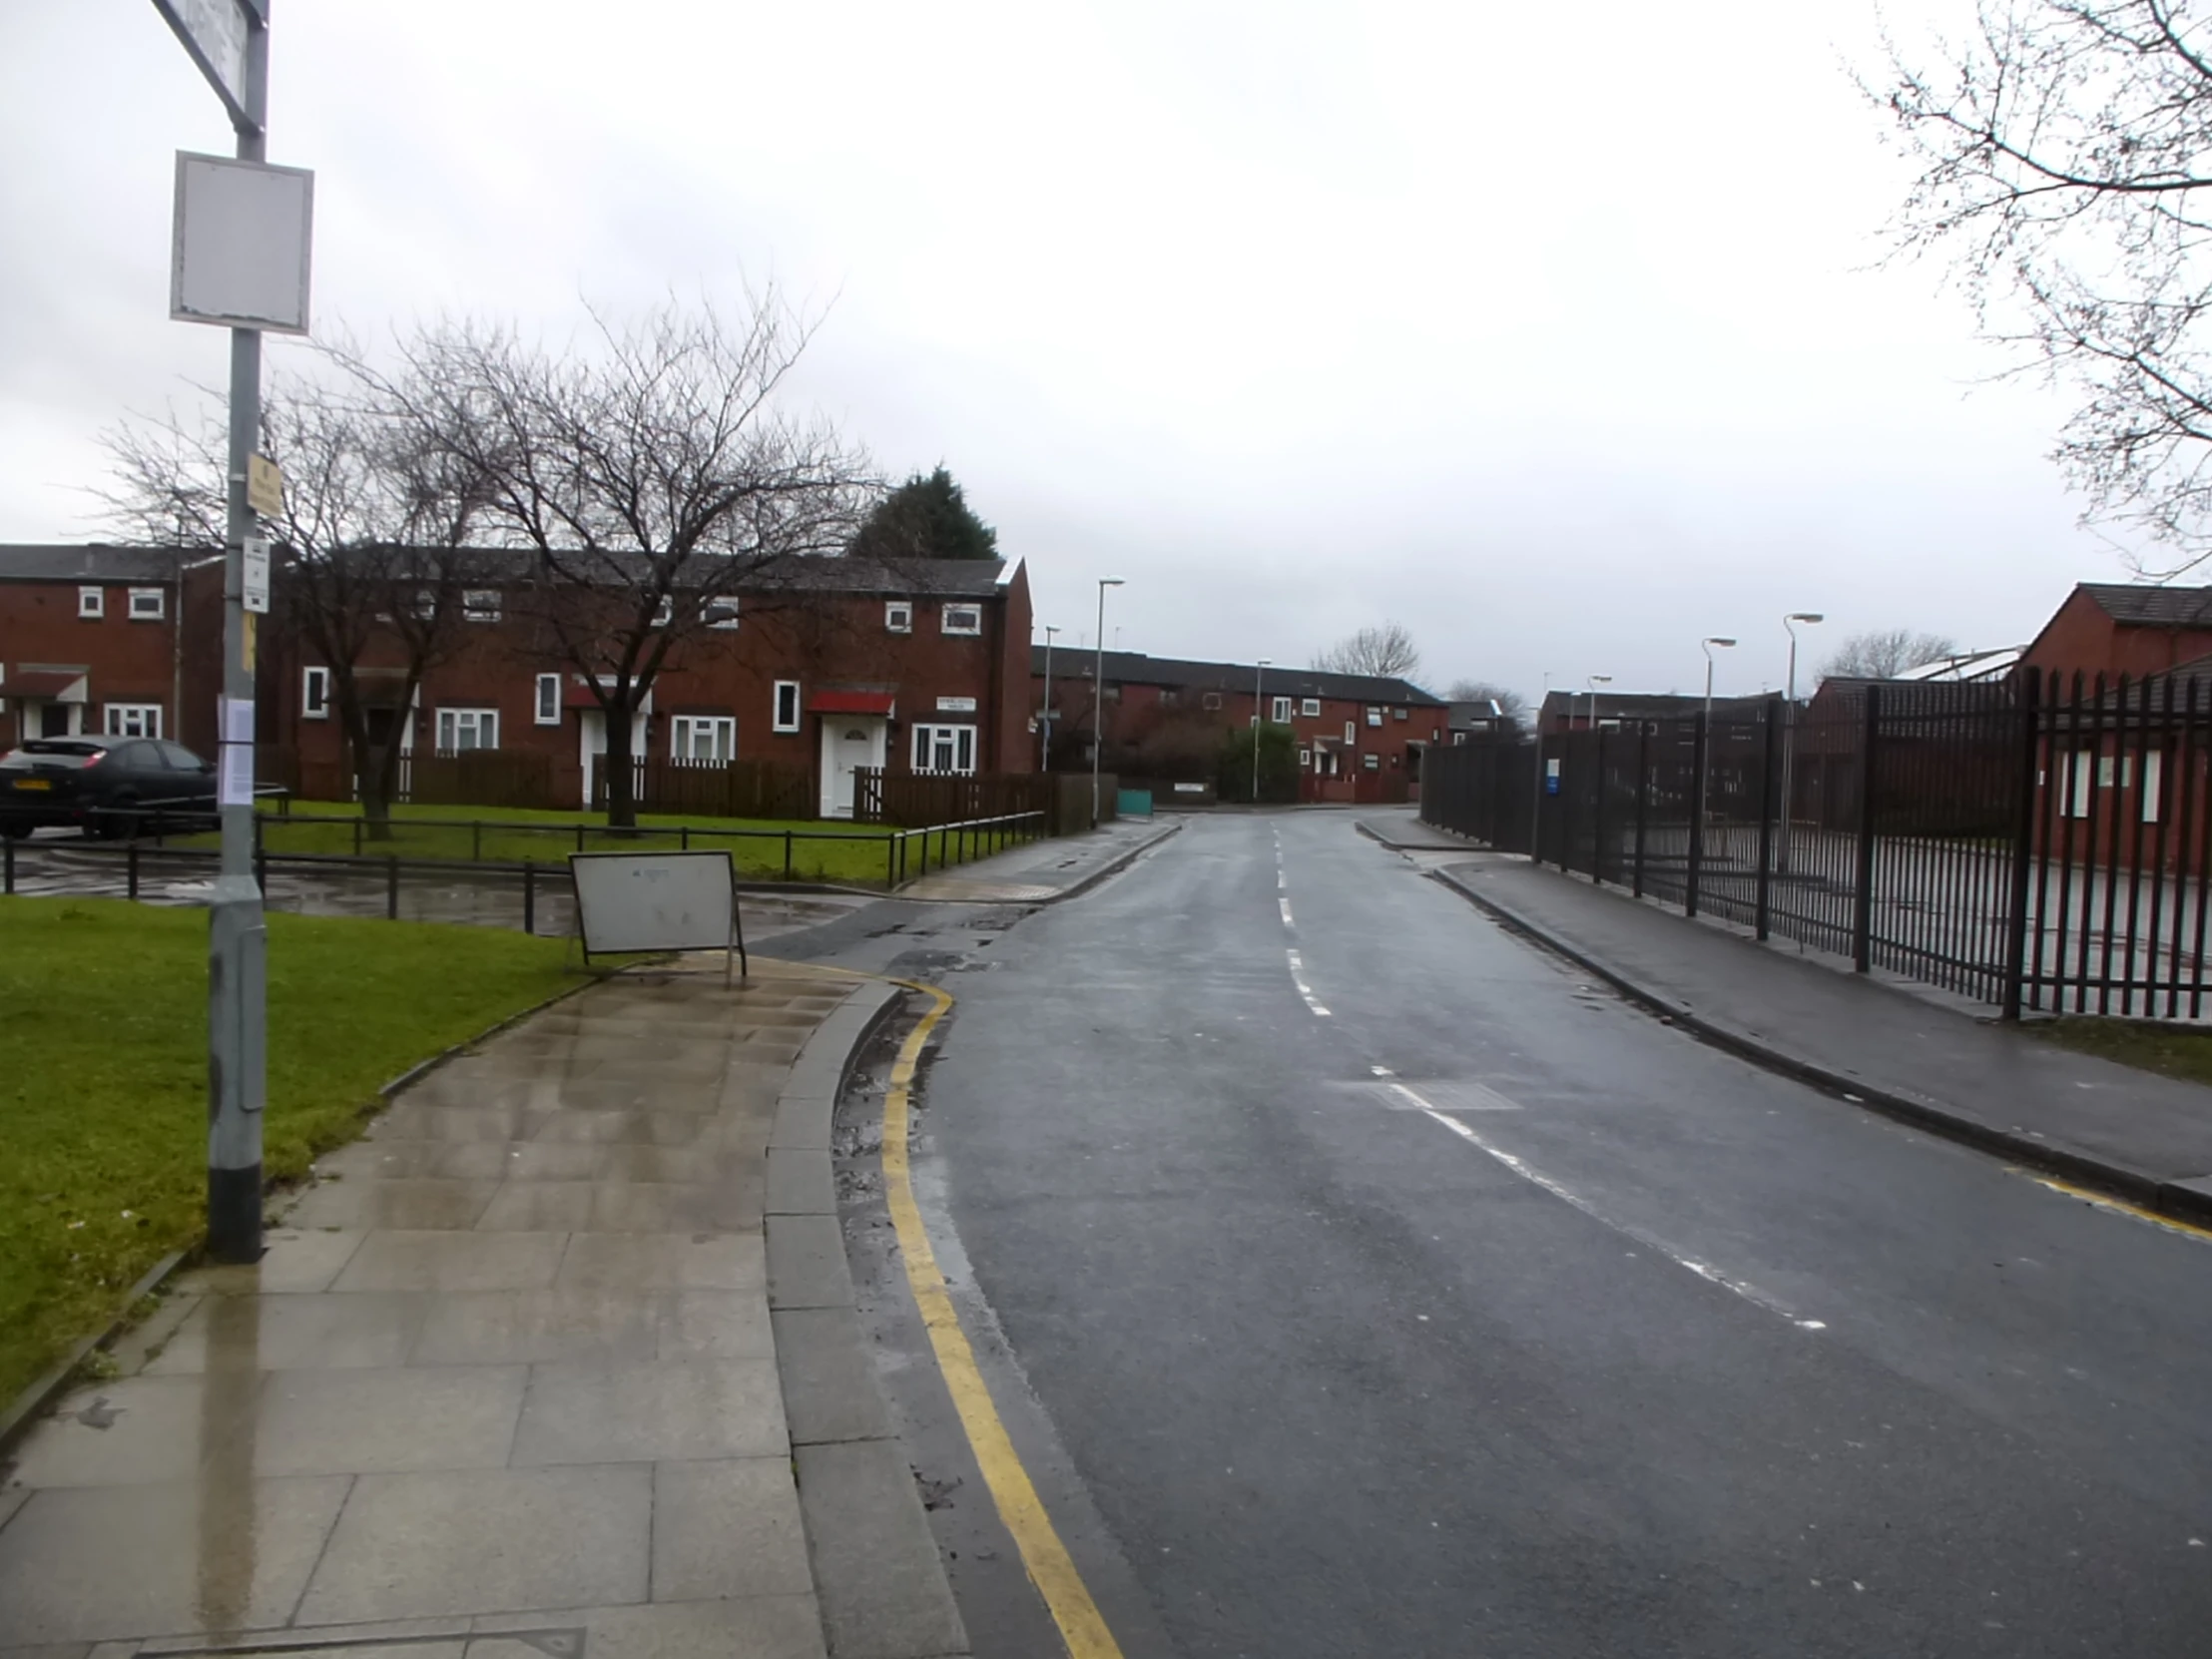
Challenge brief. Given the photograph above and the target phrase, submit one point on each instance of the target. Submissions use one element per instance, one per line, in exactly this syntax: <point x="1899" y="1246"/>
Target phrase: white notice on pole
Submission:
<point x="255" y="589"/>
<point x="237" y="720"/>
<point x="235" y="787"/>
<point x="241" y="244"/>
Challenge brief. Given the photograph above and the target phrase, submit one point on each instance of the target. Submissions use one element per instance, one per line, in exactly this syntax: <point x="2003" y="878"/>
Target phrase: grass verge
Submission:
<point x="772" y="848"/>
<point x="2146" y="1044"/>
<point x="103" y="1089"/>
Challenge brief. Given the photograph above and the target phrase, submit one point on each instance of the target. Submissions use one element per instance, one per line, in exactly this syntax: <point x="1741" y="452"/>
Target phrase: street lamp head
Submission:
<point x="1717" y="640"/>
<point x="1601" y="679"/>
<point x="1804" y="616"/>
<point x="1267" y="662"/>
<point x="1110" y="581"/>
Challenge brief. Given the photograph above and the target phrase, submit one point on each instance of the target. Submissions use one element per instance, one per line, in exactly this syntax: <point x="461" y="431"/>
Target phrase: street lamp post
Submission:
<point x="1597" y="679"/>
<point x="1098" y="694"/>
<point x="1044" y="717"/>
<point x="1789" y="733"/>
<point x="1706" y="645"/>
<point x="1259" y="714"/>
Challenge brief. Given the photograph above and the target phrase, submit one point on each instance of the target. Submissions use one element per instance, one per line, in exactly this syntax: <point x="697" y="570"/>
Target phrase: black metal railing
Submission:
<point x="880" y="858"/>
<point x="2041" y="845"/>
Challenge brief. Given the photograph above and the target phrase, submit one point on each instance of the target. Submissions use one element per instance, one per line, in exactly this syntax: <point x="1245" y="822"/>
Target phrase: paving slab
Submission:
<point x="504" y="1385"/>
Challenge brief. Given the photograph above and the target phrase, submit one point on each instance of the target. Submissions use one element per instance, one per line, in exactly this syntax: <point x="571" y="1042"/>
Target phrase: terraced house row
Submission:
<point x="820" y="667"/>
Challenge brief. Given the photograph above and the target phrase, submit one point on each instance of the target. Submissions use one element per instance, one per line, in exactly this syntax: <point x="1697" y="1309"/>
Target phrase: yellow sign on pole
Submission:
<point x="264" y="487"/>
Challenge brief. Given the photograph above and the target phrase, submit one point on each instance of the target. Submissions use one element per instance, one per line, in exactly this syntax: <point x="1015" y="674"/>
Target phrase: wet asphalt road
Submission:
<point x="1673" y="1356"/>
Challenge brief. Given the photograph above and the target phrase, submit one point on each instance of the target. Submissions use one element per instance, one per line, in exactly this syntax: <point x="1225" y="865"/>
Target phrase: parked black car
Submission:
<point x="111" y="787"/>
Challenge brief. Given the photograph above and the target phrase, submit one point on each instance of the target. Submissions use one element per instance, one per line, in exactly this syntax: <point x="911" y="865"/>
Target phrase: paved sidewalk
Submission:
<point x="504" y="1385"/>
<point x="2146" y="1137"/>
<point x="1044" y="870"/>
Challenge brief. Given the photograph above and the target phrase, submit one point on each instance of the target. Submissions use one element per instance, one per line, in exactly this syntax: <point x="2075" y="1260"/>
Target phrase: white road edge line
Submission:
<point x="1535" y="1177"/>
<point x="1297" y="978"/>
<point x="1285" y="908"/>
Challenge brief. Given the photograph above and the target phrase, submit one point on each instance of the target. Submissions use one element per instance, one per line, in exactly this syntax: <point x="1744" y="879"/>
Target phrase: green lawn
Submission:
<point x="103" y="1082"/>
<point x="817" y="851"/>
<point x="2173" y="1050"/>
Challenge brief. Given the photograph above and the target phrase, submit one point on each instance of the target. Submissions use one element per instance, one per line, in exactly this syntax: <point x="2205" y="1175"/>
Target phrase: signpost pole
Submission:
<point x="238" y="935"/>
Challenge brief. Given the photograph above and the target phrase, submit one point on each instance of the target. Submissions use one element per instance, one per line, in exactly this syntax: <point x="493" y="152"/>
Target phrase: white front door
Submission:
<point x="593" y="726"/>
<point x="847" y="741"/>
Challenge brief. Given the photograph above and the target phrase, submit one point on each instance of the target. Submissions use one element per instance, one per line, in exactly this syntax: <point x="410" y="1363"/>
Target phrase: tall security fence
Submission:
<point x="2038" y="845"/>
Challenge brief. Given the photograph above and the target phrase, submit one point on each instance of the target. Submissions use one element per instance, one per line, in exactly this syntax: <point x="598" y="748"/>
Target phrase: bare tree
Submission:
<point x="649" y="475"/>
<point x="2065" y="154"/>
<point x="1512" y="706"/>
<point x="1387" y="649"/>
<point x="372" y="531"/>
<point x="1885" y="653"/>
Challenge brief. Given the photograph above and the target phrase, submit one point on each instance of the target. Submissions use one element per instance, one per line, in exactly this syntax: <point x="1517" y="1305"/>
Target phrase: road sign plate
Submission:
<point x="256" y="584"/>
<point x="215" y="33"/>
<point x="264" y="487"/>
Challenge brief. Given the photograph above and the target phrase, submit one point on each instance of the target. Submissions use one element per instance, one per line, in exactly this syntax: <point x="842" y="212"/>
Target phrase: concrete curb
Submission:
<point x="1114" y="866"/>
<point x="1452" y="846"/>
<point x="878" y="1578"/>
<point x="2138" y="1187"/>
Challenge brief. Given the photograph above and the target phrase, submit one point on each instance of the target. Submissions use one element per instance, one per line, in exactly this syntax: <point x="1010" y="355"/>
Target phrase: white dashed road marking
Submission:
<point x="1535" y="1177"/>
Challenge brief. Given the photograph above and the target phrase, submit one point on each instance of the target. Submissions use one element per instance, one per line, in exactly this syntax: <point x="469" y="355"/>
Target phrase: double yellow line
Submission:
<point x="1045" y="1557"/>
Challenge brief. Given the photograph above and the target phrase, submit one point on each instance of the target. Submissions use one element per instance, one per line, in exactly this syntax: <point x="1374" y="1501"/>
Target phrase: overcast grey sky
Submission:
<point x="1548" y="332"/>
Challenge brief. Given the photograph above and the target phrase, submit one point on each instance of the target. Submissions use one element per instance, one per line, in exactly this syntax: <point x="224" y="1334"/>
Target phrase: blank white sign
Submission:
<point x="655" y="901"/>
<point x="240" y="243"/>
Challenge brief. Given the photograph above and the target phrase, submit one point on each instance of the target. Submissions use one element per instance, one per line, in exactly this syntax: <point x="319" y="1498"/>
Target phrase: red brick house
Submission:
<point x="91" y="639"/>
<point x="2115" y="628"/>
<point x="1360" y="737"/>
<point x="825" y="665"/>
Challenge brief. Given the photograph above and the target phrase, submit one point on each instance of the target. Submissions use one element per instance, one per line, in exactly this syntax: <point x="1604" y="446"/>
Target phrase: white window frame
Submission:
<point x="951" y="618"/>
<point x="148" y="605"/>
<point x="664" y="613"/>
<point x="480" y="605"/>
<point x="1209" y="700"/>
<point x="131" y="719"/>
<point x="780" y="717"/>
<point x="1375" y="715"/>
<point x="1282" y="712"/>
<point x="426" y="605"/>
<point x="92" y="604"/>
<point x="314" y="693"/>
<point x="898" y="616"/>
<point x="720" y="614"/>
<point x="1352" y="731"/>
<point x="546" y="711"/>
<point x="1310" y="709"/>
<point x="484" y="723"/>
<point x="1398" y="713"/>
<point x="685" y="732"/>
<point x="959" y="739"/>
<point x="1305" y="759"/>
<point x="1372" y="760"/>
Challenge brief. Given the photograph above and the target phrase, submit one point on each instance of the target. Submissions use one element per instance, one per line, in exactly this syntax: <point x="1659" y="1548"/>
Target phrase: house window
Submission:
<point x="1311" y="707"/>
<point x="133" y="720"/>
<point x="2154" y="773"/>
<point x="1373" y="763"/>
<point x="1398" y="713"/>
<point x="1304" y="758"/>
<point x="787" y="704"/>
<point x="426" y="605"/>
<point x="899" y="617"/>
<point x="315" y="694"/>
<point x="719" y="613"/>
<point x="964" y="618"/>
<point x="147" y="605"/>
<point x="1352" y="732"/>
<point x="1375" y="716"/>
<point x="1281" y="715"/>
<point x="548" y="703"/>
<point x="665" y="612"/>
<point x="1169" y="699"/>
<point x="461" y="729"/>
<point x="944" y="749"/>
<point x="703" y="740"/>
<point x="91" y="603"/>
<point x="1211" y="700"/>
<point x="480" y="605"/>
